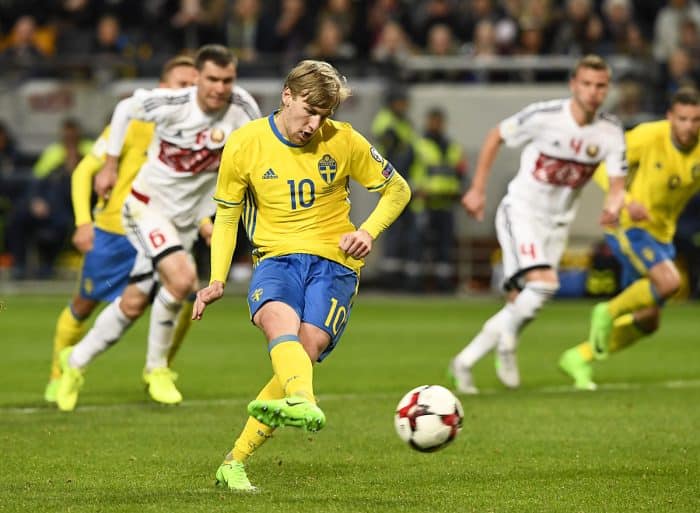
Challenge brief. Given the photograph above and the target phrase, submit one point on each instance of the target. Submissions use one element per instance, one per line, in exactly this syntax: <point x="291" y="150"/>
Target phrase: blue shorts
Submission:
<point x="319" y="290"/>
<point x="106" y="268"/>
<point x="637" y="251"/>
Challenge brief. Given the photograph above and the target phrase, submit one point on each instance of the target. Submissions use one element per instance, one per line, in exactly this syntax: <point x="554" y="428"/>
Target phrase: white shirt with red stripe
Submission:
<point x="179" y="175"/>
<point x="560" y="156"/>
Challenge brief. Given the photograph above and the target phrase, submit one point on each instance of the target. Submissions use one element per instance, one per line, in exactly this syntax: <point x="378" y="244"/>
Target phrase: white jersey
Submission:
<point x="560" y="156"/>
<point x="179" y="175"/>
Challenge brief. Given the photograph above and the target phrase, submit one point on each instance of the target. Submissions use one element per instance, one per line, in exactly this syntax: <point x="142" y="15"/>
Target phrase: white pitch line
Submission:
<point x="194" y="403"/>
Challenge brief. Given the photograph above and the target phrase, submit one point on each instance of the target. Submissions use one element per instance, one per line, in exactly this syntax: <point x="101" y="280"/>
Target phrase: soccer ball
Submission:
<point x="428" y="418"/>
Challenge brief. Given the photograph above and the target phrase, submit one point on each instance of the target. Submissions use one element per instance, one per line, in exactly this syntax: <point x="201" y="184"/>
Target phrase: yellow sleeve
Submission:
<point x="223" y="240"/>
<point x="395" y="196"/>
<point x="81" y="188"/>
<point x="230" y="190"/>
<point x="81" y="180"/>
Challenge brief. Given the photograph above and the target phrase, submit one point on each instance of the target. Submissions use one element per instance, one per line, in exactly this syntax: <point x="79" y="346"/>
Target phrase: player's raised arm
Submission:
<point x="474" y="200"/>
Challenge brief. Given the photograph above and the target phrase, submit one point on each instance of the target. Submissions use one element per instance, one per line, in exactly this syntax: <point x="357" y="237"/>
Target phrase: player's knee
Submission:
<point x="650" y="322"/>
<point x="82" y="308"/>
<point x="668" y="287"/>
<point x="133" y="303"/>
<point x="182" y="284"/>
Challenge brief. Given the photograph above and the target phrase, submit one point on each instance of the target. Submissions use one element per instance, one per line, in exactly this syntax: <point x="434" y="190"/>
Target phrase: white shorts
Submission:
<point x="527" y="241"/>
<point x="153" y="236"/>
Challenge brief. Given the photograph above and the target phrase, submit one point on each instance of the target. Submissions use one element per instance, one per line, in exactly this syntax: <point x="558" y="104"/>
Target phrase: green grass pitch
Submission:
<point x="632" y="446"/>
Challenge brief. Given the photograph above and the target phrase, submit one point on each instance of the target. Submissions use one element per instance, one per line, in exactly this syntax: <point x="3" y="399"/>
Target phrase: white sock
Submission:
<point x="160" y="334"/>
<point x="525" y="308"/>
<point x="109" y="327"/>
<point x="486" y="340"/>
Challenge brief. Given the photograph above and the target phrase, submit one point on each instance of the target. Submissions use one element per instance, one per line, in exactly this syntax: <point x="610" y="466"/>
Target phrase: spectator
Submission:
<point x="617" y="17"/>
<point x="392" y="45"/>
<point x="667" y="26"/>
<point x="570" y="37"/>
<point x="429" y="14"/>
<point x="242" y="27"/>
<point x="23" y="54"/>
<point x="679" y="72"/>
<point x="394" y="136"/>
<point x="329" y="45"/>
<point x="285" y="33"/>
<point x="67" y="152"/>
<point x="44" y="217"/>
<point x="13" y="182"/>
<point x="199" y="22"/>
<point x="439" y="179"/>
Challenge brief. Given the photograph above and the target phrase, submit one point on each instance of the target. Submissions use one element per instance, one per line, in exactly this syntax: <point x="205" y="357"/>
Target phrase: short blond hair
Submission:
<point x="591" y="61"/>
<point x="319" y="83"/>
<point x="175" y="62"/>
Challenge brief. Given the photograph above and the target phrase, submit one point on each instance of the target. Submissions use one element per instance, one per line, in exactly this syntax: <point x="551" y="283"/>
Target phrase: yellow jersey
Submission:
<point x="661" y="177"/>
<point x="296" y="198"/>
<point x="107" y="214"/>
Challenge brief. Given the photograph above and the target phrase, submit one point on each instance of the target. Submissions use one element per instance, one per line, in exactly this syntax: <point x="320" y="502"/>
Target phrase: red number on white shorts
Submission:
<point x="157" y="238"/>
<point x="527" y="250"/>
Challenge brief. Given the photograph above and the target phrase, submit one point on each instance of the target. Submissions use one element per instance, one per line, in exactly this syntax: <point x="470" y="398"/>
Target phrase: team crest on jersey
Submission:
<point x="695" y="170"/>
<point x="256" y="295"/>
<point x="592" y="150"/>
<point x="328" y="168"/>
<point x="375" y="154"/>
<point x="648" y="254"/>
<point x="217" y="135"/>
<point x="88" y="286"/>
<point x="674" y="182"/>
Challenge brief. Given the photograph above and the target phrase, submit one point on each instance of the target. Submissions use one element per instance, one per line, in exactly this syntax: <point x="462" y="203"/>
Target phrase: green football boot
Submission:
<point x="70" y="384"/>
<point x="290" y="411"/>
<point x="601" y="328"/>
<point x="51" y="390"/>
<point x="573" y="365"/>
<point x="231" y="475"/>
<point x="160" y="384"/>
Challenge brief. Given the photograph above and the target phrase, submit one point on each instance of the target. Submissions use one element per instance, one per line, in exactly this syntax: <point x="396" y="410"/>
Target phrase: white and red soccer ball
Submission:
<point x="428" y="418"/>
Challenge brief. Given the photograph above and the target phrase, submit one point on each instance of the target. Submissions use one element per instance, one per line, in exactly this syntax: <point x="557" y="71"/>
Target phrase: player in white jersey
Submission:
<point x="169" y="198"/>
<point x="566" y="141"/>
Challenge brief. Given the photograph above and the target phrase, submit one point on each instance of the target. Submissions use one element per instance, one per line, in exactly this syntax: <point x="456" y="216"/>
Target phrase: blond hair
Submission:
<point x="175" y="62"/>
<point x="591" y="61"/>
<point x="319" y="83"/>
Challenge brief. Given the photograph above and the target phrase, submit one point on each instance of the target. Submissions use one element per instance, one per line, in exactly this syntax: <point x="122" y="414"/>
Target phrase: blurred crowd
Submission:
<point x="132" y="37"/>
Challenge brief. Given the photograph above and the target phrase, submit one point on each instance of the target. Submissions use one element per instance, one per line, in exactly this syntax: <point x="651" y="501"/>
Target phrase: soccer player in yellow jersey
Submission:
<point x="664" y="159"/>
<point x="109" y="256"/>
<point x="287" y="176"/>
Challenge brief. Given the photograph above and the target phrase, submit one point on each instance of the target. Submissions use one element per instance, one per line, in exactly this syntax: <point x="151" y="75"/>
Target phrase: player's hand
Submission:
<point x="106" y="178"/>
<point x="205" y="297"/>
<point x="205" y="231"/>
<point x="84" y="237"/>
<point x="637" y="211"/>
<point x="357" y="244"/>
<point x="609" y="218"/>
<point x="474" y="202"/>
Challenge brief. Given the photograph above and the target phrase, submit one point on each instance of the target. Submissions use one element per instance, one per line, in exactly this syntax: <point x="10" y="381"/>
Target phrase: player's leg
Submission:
<point x="655" y="280"/>
<point x="540" y="287"/>
<point x="71" y="325"/>
<point x="103" y="276"/>
<point x="231" y="473"/>
<point x="110" y="325"/>
<point x="182" y="326"/>
<point x="165" y="247"/>
<point x="577" y="362"/>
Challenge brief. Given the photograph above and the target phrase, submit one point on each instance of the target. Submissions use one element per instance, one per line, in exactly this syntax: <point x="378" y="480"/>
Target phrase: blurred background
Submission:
<point x="422" y="72"/>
